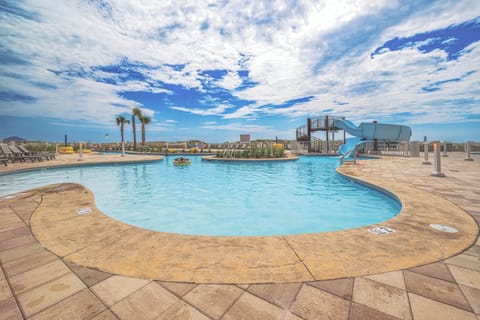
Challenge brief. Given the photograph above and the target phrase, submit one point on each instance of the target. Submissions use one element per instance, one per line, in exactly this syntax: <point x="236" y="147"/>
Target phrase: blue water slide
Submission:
<point x="349" y="145"/>
<point x="350" y="127"/>
<point x="371" y="131"/>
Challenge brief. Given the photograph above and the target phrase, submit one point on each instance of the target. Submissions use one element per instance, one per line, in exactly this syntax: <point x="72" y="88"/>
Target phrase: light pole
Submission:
<point x="106" y="140"/>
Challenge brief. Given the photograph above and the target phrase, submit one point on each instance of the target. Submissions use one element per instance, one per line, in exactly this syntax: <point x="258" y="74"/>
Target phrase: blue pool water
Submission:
<point x="220" y="198"/>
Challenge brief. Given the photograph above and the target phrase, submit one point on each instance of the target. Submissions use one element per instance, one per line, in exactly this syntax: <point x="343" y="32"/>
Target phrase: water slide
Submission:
<point x="349" y="145"/>
<point x="370" y="131"/>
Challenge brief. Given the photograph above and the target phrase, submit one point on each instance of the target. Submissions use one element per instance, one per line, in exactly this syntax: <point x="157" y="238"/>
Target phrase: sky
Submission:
<point x="212" y="70"/>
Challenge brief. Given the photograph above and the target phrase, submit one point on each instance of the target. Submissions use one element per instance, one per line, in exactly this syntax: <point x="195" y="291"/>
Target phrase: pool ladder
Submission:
<point x="342" y="158"/>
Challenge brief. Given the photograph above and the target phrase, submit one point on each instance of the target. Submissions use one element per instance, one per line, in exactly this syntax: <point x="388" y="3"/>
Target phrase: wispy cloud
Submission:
<point x="215" y="111"/>
<point x="239" y="127"/>
<point x="89" y="61"/>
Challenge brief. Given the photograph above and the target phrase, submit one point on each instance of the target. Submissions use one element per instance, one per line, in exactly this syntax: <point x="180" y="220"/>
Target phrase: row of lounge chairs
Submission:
<point x="21" y="154"/>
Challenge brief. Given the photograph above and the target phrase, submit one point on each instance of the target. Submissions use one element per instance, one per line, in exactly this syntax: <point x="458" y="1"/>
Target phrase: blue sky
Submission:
<point x="214" y="70"/>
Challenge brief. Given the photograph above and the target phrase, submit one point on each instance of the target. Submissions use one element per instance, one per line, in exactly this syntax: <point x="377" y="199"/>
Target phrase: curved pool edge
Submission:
<point x="98" y="241"/>
<point x="365" y="183"/>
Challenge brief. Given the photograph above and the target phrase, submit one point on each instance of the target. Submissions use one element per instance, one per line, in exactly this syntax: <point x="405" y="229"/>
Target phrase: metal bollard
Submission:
<point x="444" y="149"/>
<point x="468" y="150"/>
<point x="437" y="169"/>
<point x="80" y="152"/>
<point x="425" y="153"/>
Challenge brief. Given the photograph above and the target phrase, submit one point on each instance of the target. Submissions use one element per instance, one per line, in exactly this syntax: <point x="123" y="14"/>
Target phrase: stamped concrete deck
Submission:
<point x="74" y="160"/>
<point x="415" y="272"/>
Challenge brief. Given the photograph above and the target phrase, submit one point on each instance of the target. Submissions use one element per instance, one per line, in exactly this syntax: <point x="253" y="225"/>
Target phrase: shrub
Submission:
<point x="253" y="152"/>
<point x="278" y="152"/>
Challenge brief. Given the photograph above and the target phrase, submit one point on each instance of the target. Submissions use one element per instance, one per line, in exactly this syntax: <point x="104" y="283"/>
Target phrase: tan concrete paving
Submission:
<point x="73" y="160"/>
<point x="148" y="302"/>
<point x="423" y="308"/>
<point x="280" y="294"/>
<point x="116" y="288"/>
<point x="448" y="288"/>
<point x="49" y="293"/>
<point x="317" y="304"/>
<point x="217" y="299"/>
<point x="385" y="298"/>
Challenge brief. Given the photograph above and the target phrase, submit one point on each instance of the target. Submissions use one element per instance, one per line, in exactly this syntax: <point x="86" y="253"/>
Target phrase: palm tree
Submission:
<point x="144" y="120"/>
<point x="121" y="121"/>
<point x="136" y="112"/>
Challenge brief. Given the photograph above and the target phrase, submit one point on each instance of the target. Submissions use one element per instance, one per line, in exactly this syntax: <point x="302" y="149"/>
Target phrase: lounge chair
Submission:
<point x="13" y="154"/>
<point x="46" y="155"/>
<point x="6" y="153"/>
<point x="19" y="152"/>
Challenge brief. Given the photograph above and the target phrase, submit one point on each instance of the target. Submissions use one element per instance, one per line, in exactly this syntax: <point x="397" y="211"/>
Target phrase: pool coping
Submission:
<point x="98" y="241"/>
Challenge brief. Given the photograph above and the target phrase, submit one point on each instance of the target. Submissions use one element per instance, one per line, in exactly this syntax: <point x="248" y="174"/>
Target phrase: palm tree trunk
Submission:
<point x="143" y="134"/>
<point x="134" y="134"/>
<point x="121" y="130"/>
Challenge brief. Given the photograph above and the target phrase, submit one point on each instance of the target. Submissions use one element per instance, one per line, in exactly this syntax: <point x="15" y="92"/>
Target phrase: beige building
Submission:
<point x="245" y="138"/>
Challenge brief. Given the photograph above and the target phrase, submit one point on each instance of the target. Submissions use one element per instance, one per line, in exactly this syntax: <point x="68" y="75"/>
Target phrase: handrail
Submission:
<point x="317" y="124"/>
<point x="343" y="156"/>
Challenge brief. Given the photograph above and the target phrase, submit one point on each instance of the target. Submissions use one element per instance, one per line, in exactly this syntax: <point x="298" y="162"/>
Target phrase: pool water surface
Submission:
<point x="223" y="198"/>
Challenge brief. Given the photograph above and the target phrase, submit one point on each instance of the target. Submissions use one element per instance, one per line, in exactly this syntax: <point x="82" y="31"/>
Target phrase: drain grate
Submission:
<point x="443" y="228"/>
<point x="380" y="231"/>
<point x="84" y="210"/>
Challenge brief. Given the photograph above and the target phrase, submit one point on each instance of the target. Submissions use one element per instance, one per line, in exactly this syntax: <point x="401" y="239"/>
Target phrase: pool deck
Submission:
<point x="57" y="263"/>
<point x="73" y="160"/>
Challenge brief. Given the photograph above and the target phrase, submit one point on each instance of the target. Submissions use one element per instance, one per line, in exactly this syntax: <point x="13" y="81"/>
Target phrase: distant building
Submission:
<point x="245" y="138"/>
<point x="14" y="139"/>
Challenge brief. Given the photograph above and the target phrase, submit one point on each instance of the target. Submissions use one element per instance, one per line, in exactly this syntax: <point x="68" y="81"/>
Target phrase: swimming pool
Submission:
<point x="223" y="198"/>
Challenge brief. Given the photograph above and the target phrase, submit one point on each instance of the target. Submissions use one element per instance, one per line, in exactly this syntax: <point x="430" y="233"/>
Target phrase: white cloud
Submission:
<point x="398" y="78"/>
<point x="239" y="127"/>
<point x="243" y="113"/>
<point x="287" y="47"/>
<point x="158" y="127"/>
<point x="188" y="77"/>
<point x="436" y="15"/>
<point x="139" y="86"/>
<point x="233" y="130"/>
<point x="230" y="81"/>
<point x="215" y="111"/>
<point x="68" y="99"/>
